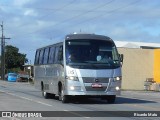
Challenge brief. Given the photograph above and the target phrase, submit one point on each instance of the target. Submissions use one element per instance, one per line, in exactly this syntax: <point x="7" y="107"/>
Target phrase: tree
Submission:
<point x="13" y="58"/>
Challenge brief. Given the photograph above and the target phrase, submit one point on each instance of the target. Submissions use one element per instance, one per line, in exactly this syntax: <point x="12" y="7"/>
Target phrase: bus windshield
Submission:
<point x="91" y="54"/>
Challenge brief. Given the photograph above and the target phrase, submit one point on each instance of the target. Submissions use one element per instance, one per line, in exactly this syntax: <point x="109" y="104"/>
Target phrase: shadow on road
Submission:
<point x="119" y="100"/>
<point x="122" y="100"/>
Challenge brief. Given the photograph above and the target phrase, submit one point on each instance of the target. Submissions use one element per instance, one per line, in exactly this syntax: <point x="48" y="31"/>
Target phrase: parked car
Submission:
<point x="23" y="78"/>
<point x="12" y="77"/>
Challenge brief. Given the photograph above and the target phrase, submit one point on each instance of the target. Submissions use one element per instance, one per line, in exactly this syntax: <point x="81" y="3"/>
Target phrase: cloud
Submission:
<point x="21" y="2"/>
<point x="30" y="13"/>
<point x="35" y="23"/>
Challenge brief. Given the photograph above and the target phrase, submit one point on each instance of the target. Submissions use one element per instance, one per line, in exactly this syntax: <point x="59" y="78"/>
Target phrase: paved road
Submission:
<point x="16" y="96"/>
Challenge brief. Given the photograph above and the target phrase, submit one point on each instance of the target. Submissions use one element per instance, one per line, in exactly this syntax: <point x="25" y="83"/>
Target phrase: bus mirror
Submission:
<point x="121" y="56"/>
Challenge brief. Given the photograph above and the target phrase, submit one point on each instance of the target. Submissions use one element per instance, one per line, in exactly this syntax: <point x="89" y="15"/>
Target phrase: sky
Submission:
<point x="32" y="24"/>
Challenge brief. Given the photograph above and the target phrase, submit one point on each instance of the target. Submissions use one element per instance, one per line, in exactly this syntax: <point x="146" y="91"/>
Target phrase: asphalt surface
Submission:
<point x="23" y="97"/>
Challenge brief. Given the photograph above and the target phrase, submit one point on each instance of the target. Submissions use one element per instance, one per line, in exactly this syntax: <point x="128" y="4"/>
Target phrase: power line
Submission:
<point x="98" y="16"/>
<point x="103" y="5"/>
<point x="38" y="8"/>
<point x="58" y="9"/>
<point x="53" y="9"/>
<point x="109" y="12"/>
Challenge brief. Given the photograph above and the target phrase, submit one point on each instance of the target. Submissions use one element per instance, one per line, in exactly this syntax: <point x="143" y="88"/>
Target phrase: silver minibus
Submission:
<point x="81" y="65"/>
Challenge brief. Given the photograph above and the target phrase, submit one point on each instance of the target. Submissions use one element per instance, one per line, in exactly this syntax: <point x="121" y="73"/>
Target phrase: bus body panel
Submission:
<point x="50" y="75"/>
<point x="80" y="78"/>
<point x="87" y="78"/>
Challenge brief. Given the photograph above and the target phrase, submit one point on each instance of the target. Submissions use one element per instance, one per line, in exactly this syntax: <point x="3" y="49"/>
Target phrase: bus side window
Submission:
<point x="46" y="53"/>
<point x="59" y="54"/>
<point x="56" y="54"/>
<point x="51" y="55"/>
<point x="41" y="56"/>
<point x="37" y="57"/>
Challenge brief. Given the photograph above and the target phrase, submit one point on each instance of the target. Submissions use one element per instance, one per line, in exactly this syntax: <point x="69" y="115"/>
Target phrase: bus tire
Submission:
<point x="52" y="95"/>
<point x="111" y="99"/>
<point x="62" y="97"/>
<point x="45" y="94"/>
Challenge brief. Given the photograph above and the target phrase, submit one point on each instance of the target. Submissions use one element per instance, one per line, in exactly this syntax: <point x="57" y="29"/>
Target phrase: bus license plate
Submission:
<point x="96" y="85"/>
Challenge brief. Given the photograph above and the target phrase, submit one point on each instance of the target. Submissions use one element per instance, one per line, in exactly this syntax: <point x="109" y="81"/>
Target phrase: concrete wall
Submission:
<point x="137" y="66"/>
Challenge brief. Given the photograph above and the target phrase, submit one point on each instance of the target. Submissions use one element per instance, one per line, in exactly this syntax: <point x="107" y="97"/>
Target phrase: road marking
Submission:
<point x="65" y="110"/>
<point x="29" y="99"/>
<point x="44" y="103"/>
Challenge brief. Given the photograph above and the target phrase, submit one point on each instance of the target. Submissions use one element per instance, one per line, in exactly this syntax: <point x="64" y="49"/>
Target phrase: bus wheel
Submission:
<point x="45" y="94"/>
<point x="111" y="98"/>
<point x="62" y="97"/>
<point x="51" y="95"/>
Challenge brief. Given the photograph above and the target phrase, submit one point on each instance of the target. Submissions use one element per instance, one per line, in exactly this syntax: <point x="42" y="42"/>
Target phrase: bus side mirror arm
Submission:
<point x="121" y="56"/>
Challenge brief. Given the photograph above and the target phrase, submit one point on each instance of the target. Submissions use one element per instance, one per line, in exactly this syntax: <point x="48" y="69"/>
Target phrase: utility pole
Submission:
<point x="3" y="54"/>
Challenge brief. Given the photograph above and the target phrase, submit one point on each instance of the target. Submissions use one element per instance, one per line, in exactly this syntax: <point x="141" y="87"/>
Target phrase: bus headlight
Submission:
<point x="117" y="78"/>
<point x="117" y="88"/>
<point x="75" y="88"/>
<point x="72" y="78"/>
<point x="72" y="87"/>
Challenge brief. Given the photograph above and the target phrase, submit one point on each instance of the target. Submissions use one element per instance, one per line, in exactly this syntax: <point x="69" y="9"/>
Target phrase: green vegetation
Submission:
<point x="14" y="60"/>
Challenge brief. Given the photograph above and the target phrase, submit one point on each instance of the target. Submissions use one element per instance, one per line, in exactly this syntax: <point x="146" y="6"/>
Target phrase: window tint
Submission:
<point x="56" y="54"/>
<point x="41" y="56"/>
<point x="51" y="55"/>
<point x="59" y="54"/>
<point x="37" y="57"/>
<point x="46" y="53"/>
<point x="99" y="52"/>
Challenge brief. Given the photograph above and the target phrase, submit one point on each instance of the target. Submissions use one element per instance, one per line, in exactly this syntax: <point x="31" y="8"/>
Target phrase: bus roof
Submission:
<point x="80" y="36"/>
<point x="87" y="36"/>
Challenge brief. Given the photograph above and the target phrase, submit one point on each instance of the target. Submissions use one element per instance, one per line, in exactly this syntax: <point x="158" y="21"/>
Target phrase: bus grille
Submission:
<point x="89" y="88"/>
<point x="93" y="80"/>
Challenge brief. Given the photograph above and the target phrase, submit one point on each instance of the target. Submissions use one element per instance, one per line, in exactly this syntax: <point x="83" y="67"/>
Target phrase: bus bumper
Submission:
<point x="113" y="91"/>
<point x="102" y="89"/>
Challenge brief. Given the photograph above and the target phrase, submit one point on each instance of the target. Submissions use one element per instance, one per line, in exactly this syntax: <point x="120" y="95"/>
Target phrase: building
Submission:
<point x="141" y="63"/>
<point x="29" y="69"/>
